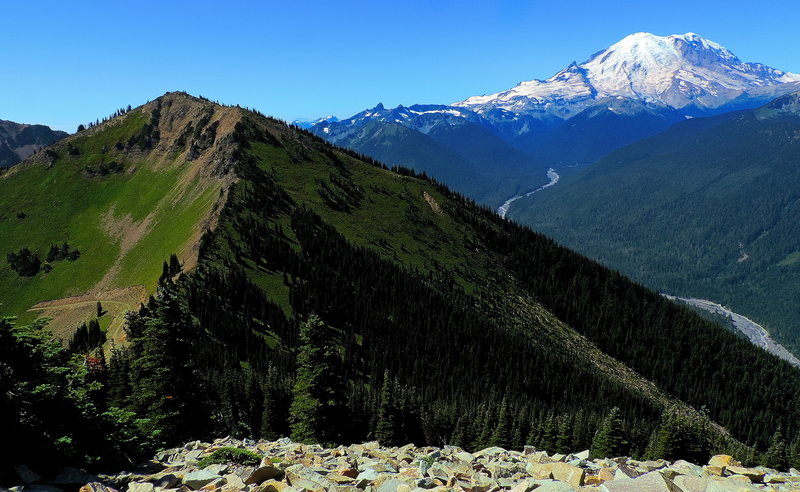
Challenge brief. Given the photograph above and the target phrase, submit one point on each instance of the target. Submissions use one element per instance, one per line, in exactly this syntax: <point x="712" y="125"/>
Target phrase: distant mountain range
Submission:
<point x="634" y="89"/>
<point x="19" y="141"/>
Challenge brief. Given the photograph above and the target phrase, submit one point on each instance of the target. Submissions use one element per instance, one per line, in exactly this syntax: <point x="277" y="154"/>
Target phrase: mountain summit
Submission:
<point x="682" y="71"/>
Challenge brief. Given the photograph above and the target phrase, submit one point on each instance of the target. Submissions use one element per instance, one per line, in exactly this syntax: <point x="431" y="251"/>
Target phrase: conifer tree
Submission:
<point x="317" y="393"/>
<point x="609" y="440"/>
<point x="386" y="429"/>
<point x="564" y="436"/>
<point x="548" y="439"/>
<point x="502" y="432"/>
<point x="776" y="454"/>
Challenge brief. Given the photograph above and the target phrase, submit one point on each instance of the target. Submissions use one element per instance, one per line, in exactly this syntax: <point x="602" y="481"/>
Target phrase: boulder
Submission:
<point x="272" y="486"/>
<point x="393" y="485"/>
<point x="754" y="474"/>
<point x="233" y="482"/>
<point x="26" y="474"/>
<point x="721" y="460"/>
<point x="96" y="487"/>
<point x="523" y="486"/>
<point x="569" y="474"/>
<point x="166" y="481"/>
<point x="492" y="451"/>
<point x="649" y="482"/>
<point x="300" y="476"/>
<point x="140" y="487"/>
<point x="73" y="476"/>
<point x="339" y="479"/>
<point x="198" y="479"/>
<point x="218" y="468"/>
<point x="583" y="455"/>
<point x="553" y="486"/>
<point x="714" y="470"/>
<point x="729" y="486"/>
<point x="264" y="473"/>
<point x="691" y="484"/>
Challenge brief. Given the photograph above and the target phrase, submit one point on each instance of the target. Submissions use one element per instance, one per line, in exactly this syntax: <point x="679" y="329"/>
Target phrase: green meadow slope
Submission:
<point x="126" y="194"/>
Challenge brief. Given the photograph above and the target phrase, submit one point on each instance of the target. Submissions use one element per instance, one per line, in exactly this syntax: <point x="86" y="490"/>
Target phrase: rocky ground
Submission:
<point x="287" y="466"/>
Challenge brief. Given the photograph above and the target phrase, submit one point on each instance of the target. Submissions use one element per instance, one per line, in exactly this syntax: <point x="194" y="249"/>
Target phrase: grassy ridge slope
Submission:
<point x="123" y="223"/>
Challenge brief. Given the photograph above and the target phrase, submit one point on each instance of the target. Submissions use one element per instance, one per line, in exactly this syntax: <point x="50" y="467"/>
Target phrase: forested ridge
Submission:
<point x="706" y="209"/>
<point x="338" y="301"/>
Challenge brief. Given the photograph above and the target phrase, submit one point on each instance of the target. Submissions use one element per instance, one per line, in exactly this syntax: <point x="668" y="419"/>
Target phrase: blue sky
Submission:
<point x="66" y="63"/>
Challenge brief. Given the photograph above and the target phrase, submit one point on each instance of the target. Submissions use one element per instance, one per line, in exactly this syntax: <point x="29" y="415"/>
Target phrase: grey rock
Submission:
<point x="390" y="485"/>
<point x="301" y="477"/>
<point x="73" y="476"/>
<point x="264" y="473"/>
<point x="493" y="451"/>
<point x="553" y="486"/>
<point x="40" y="488"/>
<point x="200" y="478"/>
<point x="192" y="456"/>
<point x="583" y="455"/>
<point x="425" y="483"/>
<point x="141" y="487"/>
<point x="218" y="468"/>
<point x="26" y="474"/>
<point x="167" y="481"/>
<point x="464" y="457"/>
<point x="649" y="482"/>
<point x="691" y="484"/>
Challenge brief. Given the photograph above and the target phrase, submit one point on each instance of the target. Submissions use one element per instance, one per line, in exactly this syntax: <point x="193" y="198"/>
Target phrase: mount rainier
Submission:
<point x="634" y="89"/>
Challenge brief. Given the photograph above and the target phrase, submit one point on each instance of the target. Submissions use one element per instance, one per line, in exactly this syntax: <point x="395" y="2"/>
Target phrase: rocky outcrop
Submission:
<point x="287" y="466"/>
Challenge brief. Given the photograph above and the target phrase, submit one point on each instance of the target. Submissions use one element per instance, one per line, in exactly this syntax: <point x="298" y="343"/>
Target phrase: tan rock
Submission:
<point x="523" y="486"/>
<point x="606" y="474"/>
<point x="264" y="473"/>
<point x="569" y="474"/>
<point x="714" y="470"/>
<point x="340" y="479"/>
<point x="754" y="474"/>
<point x="540" y="471"/>
<point x="721" y="460"/>
<point x="593" y="480"/>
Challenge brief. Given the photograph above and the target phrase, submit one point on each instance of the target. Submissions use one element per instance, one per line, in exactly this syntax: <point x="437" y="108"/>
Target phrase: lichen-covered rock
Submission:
<point x="200" y="478"/>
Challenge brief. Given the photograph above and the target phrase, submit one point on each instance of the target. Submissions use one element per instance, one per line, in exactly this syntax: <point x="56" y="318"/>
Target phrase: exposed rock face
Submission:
<point x="292" y="467"/>
<point x="19" y="141"/>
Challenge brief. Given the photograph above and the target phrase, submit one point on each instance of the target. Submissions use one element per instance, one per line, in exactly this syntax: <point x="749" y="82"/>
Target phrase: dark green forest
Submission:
<point x="340" y="301"/>
<point x="706" y="209"/>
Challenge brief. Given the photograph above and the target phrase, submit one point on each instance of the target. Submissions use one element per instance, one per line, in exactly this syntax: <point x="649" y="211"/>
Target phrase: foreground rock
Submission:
<point x="286" y="466"/>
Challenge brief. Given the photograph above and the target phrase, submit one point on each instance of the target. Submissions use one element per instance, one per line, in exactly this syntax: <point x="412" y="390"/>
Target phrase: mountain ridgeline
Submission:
<point x="336" y="300"/>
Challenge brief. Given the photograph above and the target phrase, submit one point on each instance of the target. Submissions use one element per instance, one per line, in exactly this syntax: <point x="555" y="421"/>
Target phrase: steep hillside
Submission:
<point x="19" y="141"/>
<point x="706" y="209"/>
<point x="598" y="130"/>
<point x="339" y="301"/>
<point x="122" y="196"/>
<point x="461" y="150"/>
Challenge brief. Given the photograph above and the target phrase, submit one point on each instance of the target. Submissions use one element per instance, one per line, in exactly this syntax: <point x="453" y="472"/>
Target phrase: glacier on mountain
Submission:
<point x="682" y="71"/>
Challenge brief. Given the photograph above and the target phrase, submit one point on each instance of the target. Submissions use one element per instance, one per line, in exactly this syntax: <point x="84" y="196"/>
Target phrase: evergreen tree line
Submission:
<point x="286" y="327"/>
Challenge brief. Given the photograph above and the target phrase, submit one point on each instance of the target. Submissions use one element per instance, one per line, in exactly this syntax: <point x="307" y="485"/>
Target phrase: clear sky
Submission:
<point x="68" y="62"/>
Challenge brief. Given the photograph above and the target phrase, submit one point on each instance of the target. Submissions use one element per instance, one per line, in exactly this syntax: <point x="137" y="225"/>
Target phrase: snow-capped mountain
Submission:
<point x="310" y="123"/>
<point x="685" y="72"/>
<point x="634" y="89"/>
<point x="420" y="117"/>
